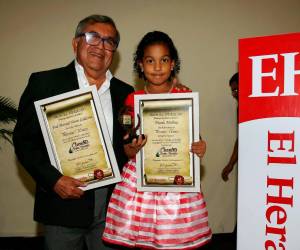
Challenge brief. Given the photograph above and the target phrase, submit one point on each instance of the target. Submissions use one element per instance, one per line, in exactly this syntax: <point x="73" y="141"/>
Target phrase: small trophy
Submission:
<point x="126" y="119"/>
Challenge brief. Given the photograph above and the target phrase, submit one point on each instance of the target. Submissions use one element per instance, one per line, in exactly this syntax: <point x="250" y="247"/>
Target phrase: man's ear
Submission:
<point x="74" y="45"/>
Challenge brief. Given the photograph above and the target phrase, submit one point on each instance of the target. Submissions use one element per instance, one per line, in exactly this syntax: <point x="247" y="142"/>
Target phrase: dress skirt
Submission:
<point x="155" y="220"/>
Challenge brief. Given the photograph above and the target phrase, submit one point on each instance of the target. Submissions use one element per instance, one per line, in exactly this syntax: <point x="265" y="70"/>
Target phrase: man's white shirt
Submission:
<point x="103" y="92"/>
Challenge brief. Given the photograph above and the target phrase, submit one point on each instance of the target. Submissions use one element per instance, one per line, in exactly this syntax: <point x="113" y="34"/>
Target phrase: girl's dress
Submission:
<point x="154" y="220"/>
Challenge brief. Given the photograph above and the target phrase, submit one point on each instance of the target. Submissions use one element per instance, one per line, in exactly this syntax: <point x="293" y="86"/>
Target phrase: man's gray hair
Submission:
<point x="96" y="19"/>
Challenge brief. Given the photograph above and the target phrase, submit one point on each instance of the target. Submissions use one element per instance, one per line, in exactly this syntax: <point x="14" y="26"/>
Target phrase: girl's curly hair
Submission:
<point x="151" y="38"/>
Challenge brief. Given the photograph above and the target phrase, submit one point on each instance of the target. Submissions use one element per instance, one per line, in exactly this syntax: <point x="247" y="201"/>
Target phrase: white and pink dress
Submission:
<point x="154" y="220"/>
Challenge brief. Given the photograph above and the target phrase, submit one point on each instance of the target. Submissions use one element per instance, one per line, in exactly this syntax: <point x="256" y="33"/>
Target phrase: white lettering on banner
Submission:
<point x="289" y="75"/>
<point x="257" y="75"/>
<point x="281" y="189"/>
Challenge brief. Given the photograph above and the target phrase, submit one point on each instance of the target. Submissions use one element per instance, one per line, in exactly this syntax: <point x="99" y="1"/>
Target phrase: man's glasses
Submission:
<point x="93" y="38"/>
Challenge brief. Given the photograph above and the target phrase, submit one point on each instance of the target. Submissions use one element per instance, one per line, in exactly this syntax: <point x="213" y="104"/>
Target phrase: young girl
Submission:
<point x="155" y="220"/>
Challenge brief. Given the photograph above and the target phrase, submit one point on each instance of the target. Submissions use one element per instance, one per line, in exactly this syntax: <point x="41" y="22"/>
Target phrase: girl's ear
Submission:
<point x="172" y="64"/>
<point x="141" y="66"/>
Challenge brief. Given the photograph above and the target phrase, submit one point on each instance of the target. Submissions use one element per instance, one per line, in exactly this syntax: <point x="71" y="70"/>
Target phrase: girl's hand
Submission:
<point x="179" y="86"/>
<point x="199" y="148"/>
<point x="131" y="149"/>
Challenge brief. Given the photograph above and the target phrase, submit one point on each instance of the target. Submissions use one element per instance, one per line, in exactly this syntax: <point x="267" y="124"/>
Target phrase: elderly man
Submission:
<point x="72" y="218"/>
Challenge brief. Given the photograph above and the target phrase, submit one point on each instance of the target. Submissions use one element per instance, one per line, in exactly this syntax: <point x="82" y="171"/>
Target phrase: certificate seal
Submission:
<point x="178" y="180"/>
<point x="98" y="174"/>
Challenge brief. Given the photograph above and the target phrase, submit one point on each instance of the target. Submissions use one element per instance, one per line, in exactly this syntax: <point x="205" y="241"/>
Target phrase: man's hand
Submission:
<point x="68" y="188"/>
<point x="199" y="148"/>
<point x="131" y="149"/>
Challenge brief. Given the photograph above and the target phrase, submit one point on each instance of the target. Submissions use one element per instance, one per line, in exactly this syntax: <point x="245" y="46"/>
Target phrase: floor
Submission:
<point x="219" y="242"/>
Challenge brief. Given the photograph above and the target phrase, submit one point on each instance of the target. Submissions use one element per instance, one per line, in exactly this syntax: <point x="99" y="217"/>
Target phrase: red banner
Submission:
<point x="270" y="74"/>
<point x="269" y="143"/>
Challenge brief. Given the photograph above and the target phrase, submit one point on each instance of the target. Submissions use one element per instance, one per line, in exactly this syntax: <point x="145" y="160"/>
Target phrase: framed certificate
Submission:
<point x="171" y="123"/>
<point x="76" y="137"/>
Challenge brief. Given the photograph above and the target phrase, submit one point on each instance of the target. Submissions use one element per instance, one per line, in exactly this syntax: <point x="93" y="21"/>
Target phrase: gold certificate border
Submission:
<point x="163" y="182"/>
<point x="103" y="156"/>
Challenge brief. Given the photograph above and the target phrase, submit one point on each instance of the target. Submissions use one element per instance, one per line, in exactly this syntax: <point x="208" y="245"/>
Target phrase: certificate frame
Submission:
<point x="156" y="178"/>
<point x="77" y="138"/>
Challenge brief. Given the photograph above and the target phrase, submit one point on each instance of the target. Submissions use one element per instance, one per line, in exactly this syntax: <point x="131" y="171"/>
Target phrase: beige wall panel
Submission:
<point x="36" y="35"/>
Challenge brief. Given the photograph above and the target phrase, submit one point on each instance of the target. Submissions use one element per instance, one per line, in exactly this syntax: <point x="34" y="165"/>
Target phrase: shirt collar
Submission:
<point x="83" y="82"/>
